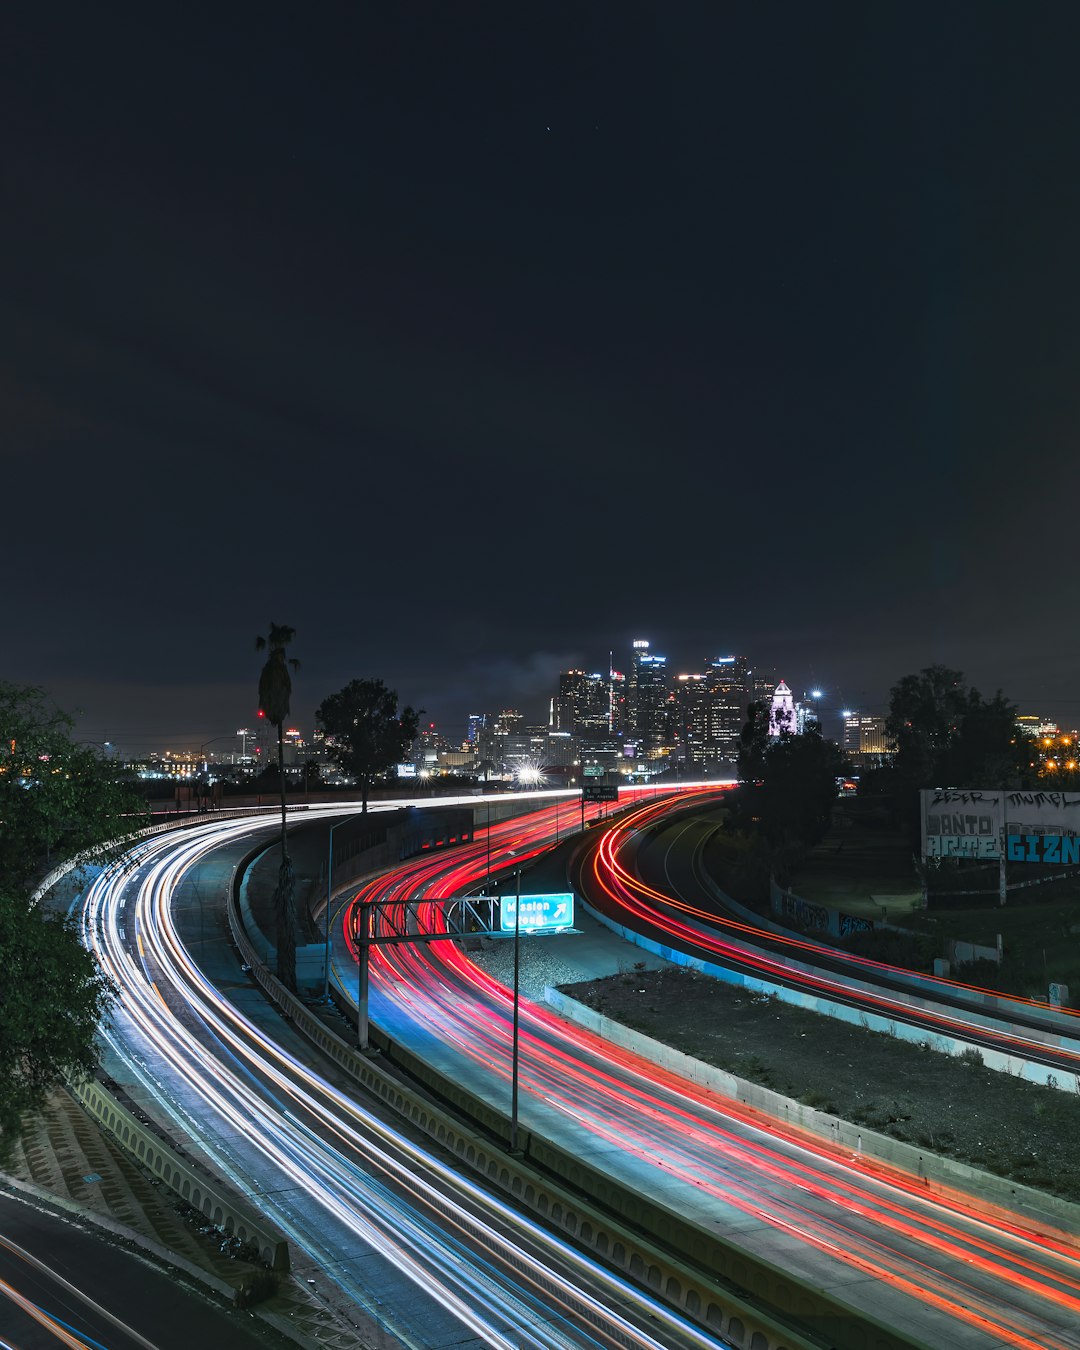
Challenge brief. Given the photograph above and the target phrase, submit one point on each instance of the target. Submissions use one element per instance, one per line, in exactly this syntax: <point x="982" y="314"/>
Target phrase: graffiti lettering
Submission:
<point x="961" y="846"/>
<point x="852" y="923"/>
<point x="809" y="915"/>
<point x="1058" y="799"/>
<point x="955" y="822"/>
<point x="1047" y="848"/>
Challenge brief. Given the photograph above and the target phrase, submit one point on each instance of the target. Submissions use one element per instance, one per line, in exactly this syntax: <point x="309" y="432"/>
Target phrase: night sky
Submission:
<point x="474" y="342"/>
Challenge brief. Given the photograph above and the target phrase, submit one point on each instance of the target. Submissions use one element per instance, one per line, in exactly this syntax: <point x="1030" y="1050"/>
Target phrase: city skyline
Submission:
<point x="454" y="343"/>
<point x="828" y="699"/>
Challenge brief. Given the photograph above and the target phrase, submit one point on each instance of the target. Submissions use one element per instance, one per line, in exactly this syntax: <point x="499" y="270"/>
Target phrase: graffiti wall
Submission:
<point x="1037" y="827"/>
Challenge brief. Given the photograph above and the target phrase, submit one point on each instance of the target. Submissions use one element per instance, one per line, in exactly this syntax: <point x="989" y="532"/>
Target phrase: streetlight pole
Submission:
<point x="329" y="898"/>
<point x="363" y="952"/>
<point x="213" y="741"/>
<point x="517" y="974"/>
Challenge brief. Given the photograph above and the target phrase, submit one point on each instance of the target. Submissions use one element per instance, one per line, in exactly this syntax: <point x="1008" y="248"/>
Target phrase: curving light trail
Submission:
<point x="940" y="1264"/>
<point x="358" y="1193"/>
<point x="616" y="886"/>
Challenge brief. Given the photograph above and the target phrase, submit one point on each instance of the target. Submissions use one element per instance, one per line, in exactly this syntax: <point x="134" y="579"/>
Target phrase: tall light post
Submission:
<point x="329" y="898"/>
<point x="213" y="741"/>
<point x="363" y="953"/>
<point x="487" y="884"/>
<point x="517" y="974"/>
<point x="487" y="766"/>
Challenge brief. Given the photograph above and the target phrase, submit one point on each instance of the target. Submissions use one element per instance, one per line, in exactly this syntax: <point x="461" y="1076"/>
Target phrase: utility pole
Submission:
<point x="329" y="898"/>
<point x="517" y="974"/>
<point x="363" y="953"/>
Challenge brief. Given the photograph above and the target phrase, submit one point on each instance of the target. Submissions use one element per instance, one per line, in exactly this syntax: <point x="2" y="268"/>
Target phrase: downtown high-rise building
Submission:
<point x="763" y="685"/>
<point x="582" y="707"/>
<point x="711" y="708"/>
<point x="648" y="701"/>
<point x="728" y="680"/>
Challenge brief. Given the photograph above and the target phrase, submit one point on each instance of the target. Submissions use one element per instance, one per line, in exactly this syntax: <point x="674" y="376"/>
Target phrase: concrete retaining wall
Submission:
<point x="182" y="1176"/>
<point x="835" y="922"/>
<point x="1056" y="1021"/>
<point x="1016" y="1065"/>
<point x="936" y="1173"/>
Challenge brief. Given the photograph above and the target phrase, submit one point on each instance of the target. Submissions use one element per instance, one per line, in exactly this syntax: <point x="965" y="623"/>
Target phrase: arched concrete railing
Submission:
<point x="181" y="1176"/>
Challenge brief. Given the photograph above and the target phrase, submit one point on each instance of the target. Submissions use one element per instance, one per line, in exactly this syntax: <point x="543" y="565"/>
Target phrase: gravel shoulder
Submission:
<point x="954" y="1107"/>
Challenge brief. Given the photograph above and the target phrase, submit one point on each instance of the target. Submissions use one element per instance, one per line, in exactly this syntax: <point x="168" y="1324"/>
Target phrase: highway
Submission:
<point x="650" y="878"/>
<point x="378" y="1219"/>
<point x="938" y="1269"/>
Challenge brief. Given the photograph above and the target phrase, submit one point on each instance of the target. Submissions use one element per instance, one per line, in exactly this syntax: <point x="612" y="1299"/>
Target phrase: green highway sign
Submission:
<point x="539" y="913"/>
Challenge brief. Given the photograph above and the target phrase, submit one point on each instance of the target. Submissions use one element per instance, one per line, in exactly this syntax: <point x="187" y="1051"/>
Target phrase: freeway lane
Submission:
<point x="384" y="1221"/>
<point x="935" y="1269"/>
<point x="672" y="912"/>
<point x="63" y="1286"/>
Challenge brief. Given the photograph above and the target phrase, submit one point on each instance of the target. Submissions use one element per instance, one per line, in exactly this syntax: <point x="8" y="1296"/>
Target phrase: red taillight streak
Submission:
<point x="552" y="1074"/>
<point x="623" y="890"/>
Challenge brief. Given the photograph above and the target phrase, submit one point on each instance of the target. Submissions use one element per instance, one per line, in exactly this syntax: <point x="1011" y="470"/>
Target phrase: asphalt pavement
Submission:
<point x="57" y="1269"/>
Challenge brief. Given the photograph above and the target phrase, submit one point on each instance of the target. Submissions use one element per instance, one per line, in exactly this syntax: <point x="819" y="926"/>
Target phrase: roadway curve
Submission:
<point x="646" y="872"/>
<point x="934" y="1268"/>
<point x="390" y="1232"/>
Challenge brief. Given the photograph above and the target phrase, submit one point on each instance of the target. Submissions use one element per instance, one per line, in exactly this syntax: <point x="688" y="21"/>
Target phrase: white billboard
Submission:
<point x="979" y="823"/>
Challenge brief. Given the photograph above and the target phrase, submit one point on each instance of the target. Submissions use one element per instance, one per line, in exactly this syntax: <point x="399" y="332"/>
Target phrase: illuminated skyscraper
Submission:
<point x="728" y="682"/>
<point x="583" y="703"/>
<point x="647" y="712"/>
<point x="864" y="738"/>
<point x="712" y="709"/>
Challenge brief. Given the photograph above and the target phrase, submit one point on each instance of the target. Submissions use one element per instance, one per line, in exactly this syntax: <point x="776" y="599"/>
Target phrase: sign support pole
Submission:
<point x="517" y="974"/>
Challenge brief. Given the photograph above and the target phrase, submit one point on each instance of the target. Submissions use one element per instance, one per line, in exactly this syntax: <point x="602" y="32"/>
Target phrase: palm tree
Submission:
<point x="275" y="691"/>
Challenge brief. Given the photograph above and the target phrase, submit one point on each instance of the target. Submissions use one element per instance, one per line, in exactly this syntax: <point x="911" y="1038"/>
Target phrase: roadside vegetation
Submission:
<point x="58" y="799"/>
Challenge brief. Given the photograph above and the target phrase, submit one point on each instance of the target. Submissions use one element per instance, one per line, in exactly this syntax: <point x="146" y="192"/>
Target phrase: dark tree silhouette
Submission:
<point x="365" y="732"/>
<point x="947" y="735"/>
<point x="59" y="800"/>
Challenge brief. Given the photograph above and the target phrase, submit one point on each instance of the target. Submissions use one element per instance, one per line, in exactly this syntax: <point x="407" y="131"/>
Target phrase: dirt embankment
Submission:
<point x="951" y="1106"/>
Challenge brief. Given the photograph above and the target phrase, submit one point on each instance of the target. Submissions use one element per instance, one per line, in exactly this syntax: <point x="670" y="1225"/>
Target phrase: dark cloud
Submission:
<point x="477" y="344"/>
